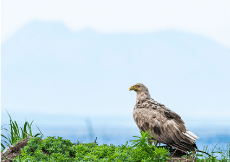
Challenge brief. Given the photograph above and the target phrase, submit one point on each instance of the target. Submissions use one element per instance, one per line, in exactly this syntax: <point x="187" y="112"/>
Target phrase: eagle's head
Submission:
<point x="141" y="89"/>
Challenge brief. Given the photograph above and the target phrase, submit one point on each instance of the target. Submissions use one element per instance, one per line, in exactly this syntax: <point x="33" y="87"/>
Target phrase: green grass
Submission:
<point x="59" y="149"/>
<point x="14" y="134"/>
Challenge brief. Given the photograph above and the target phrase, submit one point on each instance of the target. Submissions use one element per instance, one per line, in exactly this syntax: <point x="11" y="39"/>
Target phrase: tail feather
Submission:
<point x="191" y="135"/>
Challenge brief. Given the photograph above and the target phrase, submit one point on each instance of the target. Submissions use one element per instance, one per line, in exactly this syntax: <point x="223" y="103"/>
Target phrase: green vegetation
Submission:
<point x="58" y="149"/>
<point x="14" y="135"/>
<point x="62" y="150"/>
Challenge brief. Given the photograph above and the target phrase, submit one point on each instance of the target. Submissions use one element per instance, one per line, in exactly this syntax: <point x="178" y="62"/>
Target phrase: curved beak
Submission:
<point x="133" y="88"/>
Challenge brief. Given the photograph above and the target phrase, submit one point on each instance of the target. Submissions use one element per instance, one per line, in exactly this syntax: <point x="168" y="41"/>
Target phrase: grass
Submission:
<point x="14" y="134"/>
<point x="59" y="149"/>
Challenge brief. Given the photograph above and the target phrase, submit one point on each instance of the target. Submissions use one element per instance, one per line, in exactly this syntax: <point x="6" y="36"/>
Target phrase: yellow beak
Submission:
<point x="133" y="88"/>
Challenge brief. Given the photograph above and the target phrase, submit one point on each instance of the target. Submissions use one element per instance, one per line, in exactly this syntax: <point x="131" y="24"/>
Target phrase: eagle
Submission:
<point x="164" y="125"/>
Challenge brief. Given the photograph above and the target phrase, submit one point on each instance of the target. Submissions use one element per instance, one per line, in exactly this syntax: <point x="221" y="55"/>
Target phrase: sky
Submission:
<point x="209" y="18"/>
<point x="193" y="23"/>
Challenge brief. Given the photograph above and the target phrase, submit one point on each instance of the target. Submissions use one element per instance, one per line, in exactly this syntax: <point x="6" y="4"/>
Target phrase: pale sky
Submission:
<point x="210" y="18"/>
<point x="45" y="78"/>
<point x="30" y="88"/>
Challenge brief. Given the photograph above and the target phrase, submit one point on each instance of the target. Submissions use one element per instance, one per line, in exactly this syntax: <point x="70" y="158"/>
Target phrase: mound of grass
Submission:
<point x="57" y="149"/>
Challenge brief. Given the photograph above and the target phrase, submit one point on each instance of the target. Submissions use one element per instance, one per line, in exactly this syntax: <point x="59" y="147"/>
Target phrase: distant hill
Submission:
<point x="48" y="68"/>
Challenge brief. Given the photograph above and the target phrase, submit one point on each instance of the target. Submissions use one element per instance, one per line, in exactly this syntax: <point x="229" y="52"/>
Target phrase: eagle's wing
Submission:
<point x="181" y="137"/>
<point x="166" y="126"/>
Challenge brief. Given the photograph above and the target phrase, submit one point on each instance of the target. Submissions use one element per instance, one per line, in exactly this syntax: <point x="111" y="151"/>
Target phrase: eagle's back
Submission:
<point x="165" y="125"/>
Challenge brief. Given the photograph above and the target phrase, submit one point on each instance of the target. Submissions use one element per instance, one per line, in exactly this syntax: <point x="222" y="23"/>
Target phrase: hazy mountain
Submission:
<point x="48" y="68"/>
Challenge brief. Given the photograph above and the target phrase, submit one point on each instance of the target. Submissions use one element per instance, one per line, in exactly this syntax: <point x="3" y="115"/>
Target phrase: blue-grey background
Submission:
<point x="69" y="82"/>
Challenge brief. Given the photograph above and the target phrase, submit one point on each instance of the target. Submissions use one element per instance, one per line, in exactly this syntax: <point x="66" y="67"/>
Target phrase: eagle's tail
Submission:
<point x="191" y="135"/>
<point x="194" y="138"/>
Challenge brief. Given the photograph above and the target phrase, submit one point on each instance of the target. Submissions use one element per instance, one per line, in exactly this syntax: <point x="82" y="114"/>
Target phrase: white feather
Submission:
<point x="191" y="135"/>
<point x="175" y="127"/>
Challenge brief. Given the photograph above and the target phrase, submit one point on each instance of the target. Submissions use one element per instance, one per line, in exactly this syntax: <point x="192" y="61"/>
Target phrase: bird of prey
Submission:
<point x="165" y="125"/>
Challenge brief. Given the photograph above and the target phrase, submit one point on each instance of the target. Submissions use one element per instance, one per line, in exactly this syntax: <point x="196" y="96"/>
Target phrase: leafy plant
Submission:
<point x="14" y="134"/>
<point x="50" y="148"/>
<point x="59" y="149"/>
<point x="143" y="142"/>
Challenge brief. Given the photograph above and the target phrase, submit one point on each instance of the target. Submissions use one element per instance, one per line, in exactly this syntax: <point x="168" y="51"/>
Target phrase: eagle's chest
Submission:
<point x="145" y="118"/>
<point x="144" y="113"/>
<point x="147" y="112"/>
<point x="150" y="105"/>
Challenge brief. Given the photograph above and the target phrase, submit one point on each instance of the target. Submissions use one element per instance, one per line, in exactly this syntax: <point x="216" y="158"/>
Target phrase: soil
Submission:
<point x="176" y="156"/>
<point x="15" y="150"/>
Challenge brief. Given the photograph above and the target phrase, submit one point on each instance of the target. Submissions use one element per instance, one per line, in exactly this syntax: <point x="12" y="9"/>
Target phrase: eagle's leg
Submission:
<point x="170" y="147"/>
<point x="150" y="142"/>
<point x="173" y="153"/>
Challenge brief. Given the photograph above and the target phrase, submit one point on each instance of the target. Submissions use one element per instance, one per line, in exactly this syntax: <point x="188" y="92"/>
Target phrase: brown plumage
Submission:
<point x="165" y="125"/>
